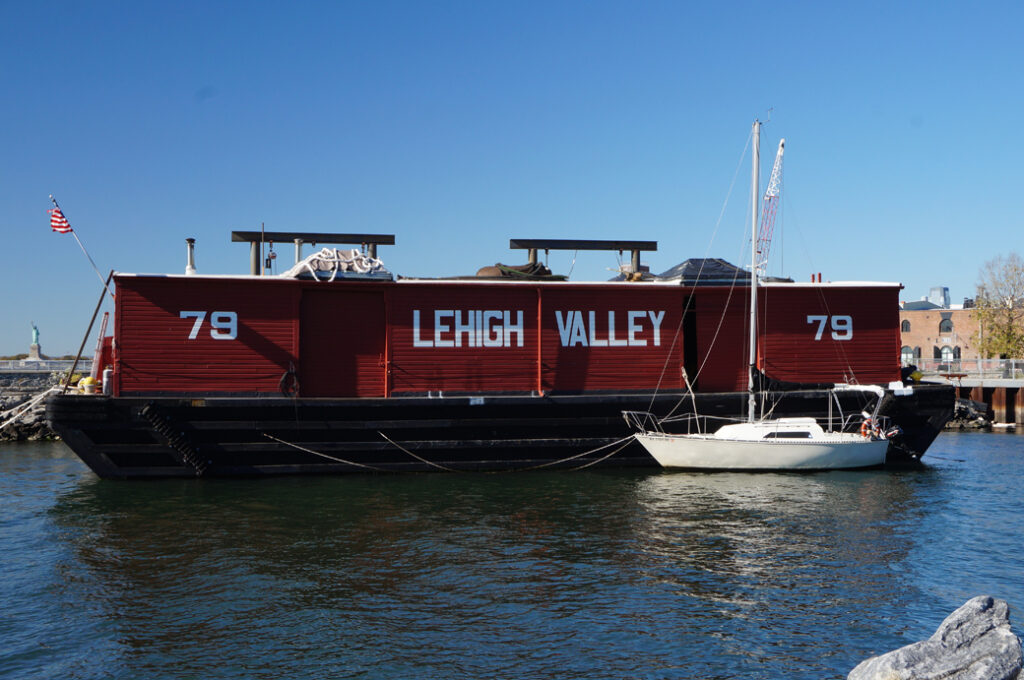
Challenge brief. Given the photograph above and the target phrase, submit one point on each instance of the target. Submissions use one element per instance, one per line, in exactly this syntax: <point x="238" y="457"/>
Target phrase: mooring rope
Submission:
<point x="625" y="441"/>
<point x="22" y="409"/>
<point x="422" y="460"/>
<point x="324" y="455"/>
<point x="585" y="453"/>
<point x="603" y="458"/>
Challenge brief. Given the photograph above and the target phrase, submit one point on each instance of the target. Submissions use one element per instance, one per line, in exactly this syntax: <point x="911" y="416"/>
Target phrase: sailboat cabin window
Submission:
<point x="788" y="435"/>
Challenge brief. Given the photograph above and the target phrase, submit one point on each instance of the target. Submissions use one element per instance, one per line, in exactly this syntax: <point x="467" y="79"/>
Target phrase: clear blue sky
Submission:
<point x="459" y="125"/>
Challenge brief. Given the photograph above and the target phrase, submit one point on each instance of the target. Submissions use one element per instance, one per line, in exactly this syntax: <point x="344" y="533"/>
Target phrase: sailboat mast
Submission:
<point x="755" y="182"/>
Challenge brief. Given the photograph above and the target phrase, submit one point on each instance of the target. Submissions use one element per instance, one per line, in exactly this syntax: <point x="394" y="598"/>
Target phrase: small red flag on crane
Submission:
<point x="58" y="222"/>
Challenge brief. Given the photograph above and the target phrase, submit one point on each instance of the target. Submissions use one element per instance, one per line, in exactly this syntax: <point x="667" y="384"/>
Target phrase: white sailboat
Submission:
<point x="766" y="443"/>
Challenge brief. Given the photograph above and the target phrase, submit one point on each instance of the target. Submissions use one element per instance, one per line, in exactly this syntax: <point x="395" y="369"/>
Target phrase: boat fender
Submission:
<point x="865" y="428"/>
<point x="289" y="384"/>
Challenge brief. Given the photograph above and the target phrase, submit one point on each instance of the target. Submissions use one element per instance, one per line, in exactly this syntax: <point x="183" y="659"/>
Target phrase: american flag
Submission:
<point x="58" y="222"/>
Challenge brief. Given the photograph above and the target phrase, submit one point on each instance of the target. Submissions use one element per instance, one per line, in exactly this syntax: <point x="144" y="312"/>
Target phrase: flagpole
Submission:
<point x="106" y="282"/>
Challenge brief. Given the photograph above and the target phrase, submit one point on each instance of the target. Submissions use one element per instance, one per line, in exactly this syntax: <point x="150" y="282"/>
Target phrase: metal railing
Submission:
<point x="994" y="369"/>
<point x="45" y="365"/>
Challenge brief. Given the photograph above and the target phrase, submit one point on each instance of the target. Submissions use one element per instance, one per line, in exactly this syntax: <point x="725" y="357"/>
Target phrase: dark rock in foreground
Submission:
<point x="973" y="643"/>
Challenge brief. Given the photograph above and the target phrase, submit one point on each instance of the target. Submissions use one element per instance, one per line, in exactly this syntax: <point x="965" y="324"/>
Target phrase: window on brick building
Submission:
<point x="907" y="355"/>
<point x="946" y="326"/>
<point x="905" y="326"/>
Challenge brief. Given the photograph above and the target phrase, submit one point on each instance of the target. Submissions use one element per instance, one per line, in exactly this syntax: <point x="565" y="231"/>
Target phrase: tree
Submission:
<point x="1000" y="307"/>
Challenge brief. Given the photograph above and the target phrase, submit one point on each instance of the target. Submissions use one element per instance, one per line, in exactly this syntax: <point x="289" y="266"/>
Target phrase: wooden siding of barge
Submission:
<point x="869" y="356"/>
<point x="153" y="352"/>
<point x="354" y="339"/>
<point x="465" y="369"/>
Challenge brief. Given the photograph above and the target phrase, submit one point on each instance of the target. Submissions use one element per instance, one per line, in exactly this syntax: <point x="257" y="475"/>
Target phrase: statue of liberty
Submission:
<point x="35" y="334"/>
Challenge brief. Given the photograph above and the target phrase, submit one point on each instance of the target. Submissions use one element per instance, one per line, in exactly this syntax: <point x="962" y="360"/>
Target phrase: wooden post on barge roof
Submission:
<point x="256" y="239"/>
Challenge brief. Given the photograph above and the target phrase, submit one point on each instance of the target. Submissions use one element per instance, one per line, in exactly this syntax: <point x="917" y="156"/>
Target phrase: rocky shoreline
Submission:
<point x="970" y="415"/>
<point x="17" y="389"/>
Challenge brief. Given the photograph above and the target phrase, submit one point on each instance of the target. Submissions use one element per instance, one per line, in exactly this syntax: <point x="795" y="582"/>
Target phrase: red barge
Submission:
<point x="359" y="372"/>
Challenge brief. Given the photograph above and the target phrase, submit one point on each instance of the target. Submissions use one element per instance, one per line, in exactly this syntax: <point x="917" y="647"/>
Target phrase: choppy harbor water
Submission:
<point x="608" y="574"/>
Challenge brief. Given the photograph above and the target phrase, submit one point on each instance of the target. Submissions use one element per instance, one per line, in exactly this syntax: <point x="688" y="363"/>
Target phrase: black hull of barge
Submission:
<point x="147" y="437"/>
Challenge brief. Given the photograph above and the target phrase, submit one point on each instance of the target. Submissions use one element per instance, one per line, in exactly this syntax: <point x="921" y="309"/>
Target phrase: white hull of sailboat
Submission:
<point x="707" y="452"/>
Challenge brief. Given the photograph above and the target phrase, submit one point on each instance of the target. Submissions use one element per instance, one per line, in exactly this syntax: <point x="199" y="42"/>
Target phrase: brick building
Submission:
<point x="938" y="334"/>
<point x="934" y="332"/>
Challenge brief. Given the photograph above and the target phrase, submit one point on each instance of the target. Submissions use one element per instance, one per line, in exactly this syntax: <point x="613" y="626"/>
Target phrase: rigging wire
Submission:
<point x="689" y="300"/>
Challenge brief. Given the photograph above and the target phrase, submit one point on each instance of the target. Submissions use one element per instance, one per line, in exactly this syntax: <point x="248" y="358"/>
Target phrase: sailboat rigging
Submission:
<point x="764" y="443"/>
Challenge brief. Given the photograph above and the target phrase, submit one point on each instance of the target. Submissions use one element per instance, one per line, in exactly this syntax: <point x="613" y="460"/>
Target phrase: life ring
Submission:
<point x="865" y="428"/>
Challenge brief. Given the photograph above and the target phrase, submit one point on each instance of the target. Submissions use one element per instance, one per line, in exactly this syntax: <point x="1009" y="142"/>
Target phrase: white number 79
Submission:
<point x="224" y="325"/>
<point x="842" y="326"/>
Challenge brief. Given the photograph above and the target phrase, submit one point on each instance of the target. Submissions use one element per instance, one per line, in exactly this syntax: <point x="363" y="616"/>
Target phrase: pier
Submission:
<point x="996" y="382"/>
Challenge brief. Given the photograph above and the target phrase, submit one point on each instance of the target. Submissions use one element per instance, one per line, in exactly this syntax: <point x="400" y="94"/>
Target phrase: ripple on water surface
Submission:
<point x="562" y="575"/>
